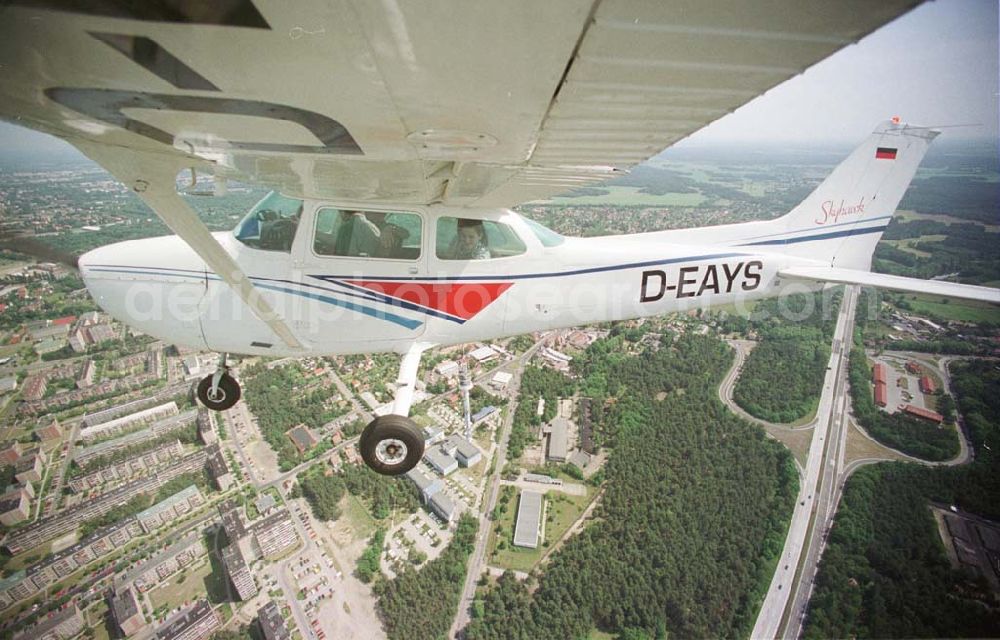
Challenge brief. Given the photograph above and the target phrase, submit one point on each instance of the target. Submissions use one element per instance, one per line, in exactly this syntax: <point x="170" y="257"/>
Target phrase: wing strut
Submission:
<point x="153" y="177"/>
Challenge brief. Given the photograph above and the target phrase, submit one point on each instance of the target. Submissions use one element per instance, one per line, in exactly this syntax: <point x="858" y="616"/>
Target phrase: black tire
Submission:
<point x="385" y="433"/>
<point x="228" y="393"/>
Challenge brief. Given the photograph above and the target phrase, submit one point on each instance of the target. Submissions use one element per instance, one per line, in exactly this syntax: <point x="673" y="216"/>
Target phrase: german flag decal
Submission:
<point x="885" y="153"/>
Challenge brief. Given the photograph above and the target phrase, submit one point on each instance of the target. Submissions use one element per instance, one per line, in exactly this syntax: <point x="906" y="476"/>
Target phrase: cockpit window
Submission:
<point x="546" y="236"/>
<point x="367" y="234"/>
<point x="471" y="239"/>
<point x="271" y="224"/>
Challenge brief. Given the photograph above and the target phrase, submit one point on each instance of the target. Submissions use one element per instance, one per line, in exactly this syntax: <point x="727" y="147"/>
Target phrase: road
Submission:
<point x="815" y="504"/>
<point x="477" y="563"/>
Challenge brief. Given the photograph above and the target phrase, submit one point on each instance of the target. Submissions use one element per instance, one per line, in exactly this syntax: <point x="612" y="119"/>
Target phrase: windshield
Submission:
<point x="546" y="236"/>
<point x="271" y="224"/>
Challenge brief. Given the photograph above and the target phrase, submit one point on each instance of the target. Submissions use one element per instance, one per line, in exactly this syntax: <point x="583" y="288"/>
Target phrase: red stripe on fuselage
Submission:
<point x="460" y="299"/>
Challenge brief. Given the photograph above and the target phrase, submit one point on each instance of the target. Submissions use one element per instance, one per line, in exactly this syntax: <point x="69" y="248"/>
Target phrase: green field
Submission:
<point x="632" y="196"/>
<point x="561" y="511"/>
<point x="184" y="587"/>
<point x="961" y="310"/>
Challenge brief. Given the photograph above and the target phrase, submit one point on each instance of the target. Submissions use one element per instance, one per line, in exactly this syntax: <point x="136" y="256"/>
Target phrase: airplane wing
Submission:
<point x="897" y="283"/>
<point x="406" y="101"/>
<point x="396" y="101"/>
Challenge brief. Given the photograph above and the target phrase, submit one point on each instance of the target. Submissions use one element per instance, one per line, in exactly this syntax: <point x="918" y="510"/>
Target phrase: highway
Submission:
<point x="816" y="501"/>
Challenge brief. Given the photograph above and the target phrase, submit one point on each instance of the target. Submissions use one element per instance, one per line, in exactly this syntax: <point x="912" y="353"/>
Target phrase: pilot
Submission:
<point x="469" y="242"/>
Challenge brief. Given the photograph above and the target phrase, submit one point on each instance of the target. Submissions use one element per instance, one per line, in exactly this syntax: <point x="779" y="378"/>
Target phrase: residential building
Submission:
<point x="127" y="612"/>
<point x="127" y="422"/>
<point x="274" y="534"/>
<point x="34" y="387"/>
<point x="61" y="625"/>
<point x="218" y="469"/>
<point x="527" y="530"/>
<point x="206" y="428"/>
<point x="48" y="433"/>
<point x="15" y="506"/>
<point x="272" y="624"/>
<point x="29" y="468"/>
<point x="198" y="622"/>
<point x="167" y="510"/>
<point x="87" y="375"/>
<point x="238" y="572"/>
<point x="11" y="453"/>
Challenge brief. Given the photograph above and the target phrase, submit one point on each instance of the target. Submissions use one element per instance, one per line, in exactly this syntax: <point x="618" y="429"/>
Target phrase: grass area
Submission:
<point x="961" y="310"/>
<point x="632" y="196"/>
<point x="907" y="216"/>
<point x="596" y="634"/>
<point x="184" y="587"/>
<point x="97" y="621"/>
<point x="356" y="515"/>
<point x="561" y="511"/>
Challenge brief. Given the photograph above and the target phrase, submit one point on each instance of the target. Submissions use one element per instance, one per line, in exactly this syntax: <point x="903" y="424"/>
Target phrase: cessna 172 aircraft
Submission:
<point x="395" y="135"/>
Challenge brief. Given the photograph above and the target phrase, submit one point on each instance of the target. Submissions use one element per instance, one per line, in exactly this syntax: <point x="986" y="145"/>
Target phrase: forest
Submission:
<point x="270" y="394"/>
<point x="421" y="603"/>
<point x="381" y="494"/>
<point x="536" y="383"/>
<point x="964" y="248"/>
<point x="884" y="573"/>
<point x="693" y="517"/>
<point x="782" y="377"/>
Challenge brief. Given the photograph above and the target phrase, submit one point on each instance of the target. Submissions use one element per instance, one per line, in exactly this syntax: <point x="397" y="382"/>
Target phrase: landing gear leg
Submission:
<point x="393" y="444"/>
<point x="219" y="391"/>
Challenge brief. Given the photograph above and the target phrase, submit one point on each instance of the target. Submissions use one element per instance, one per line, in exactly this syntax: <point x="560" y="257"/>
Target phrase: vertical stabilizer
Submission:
<point x="842" y="220"/>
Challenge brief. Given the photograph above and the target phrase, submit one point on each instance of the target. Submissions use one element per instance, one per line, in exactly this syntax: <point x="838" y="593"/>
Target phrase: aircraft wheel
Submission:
<point x="227" y="394"/>
<point x="391" y="445"/>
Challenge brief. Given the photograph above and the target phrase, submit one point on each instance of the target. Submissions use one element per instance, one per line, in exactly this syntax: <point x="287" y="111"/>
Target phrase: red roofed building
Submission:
<point x="926" y="414"/>
<point x="68" y="320"/>
<point x="927" y="385"/>
<point x="878" y="373"/>
<point x="880" y="394"/>
<point x="913" y="367"/>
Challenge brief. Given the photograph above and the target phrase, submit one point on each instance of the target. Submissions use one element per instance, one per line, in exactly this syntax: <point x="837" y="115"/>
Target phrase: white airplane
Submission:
<point x="396" y="134"/>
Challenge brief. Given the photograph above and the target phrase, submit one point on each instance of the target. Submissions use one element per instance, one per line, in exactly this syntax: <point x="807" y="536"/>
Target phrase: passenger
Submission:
<point x="469" y="242"/>
<point x="368" y="234"/>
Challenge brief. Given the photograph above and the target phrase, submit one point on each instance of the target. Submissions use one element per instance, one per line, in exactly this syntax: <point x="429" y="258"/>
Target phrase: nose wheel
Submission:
<point x="220" y="394"/>
<point x="391" y="445"/>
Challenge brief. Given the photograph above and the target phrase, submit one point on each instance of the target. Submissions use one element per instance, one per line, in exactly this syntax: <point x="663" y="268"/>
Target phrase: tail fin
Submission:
<point x="842" y="220"/>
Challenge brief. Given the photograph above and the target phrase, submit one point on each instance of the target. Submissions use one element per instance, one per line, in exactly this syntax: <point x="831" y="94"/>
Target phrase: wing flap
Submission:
<point x="897" y="283"/>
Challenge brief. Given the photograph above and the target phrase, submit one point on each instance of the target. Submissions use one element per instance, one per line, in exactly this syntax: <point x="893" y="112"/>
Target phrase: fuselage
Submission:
<point x="341" y="305"/>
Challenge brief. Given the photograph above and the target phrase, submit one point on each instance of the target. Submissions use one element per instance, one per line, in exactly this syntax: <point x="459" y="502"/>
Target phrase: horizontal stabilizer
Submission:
<point x="897" y="283"/>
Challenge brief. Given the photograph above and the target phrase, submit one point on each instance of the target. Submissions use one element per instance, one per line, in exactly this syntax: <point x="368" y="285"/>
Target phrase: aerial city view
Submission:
<point x="749" y="450"/>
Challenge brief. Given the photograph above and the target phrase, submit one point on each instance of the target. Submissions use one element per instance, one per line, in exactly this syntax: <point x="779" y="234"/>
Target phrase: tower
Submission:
<point x="465" y="386"/>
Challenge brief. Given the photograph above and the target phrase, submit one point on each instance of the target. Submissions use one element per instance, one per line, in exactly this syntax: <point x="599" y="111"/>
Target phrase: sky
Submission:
<point x="935" y="66"/>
